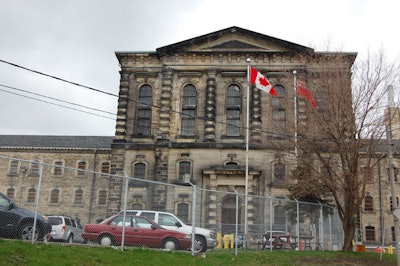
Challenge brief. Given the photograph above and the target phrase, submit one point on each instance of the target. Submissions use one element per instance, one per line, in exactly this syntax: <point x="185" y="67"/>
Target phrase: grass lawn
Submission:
<point x="16" y="252"/>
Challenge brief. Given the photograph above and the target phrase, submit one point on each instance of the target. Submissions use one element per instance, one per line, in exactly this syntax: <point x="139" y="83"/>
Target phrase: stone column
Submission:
<point x="209" y="125"/>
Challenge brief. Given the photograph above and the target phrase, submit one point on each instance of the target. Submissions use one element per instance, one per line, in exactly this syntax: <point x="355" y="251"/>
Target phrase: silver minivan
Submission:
<point x="65" y="229"/>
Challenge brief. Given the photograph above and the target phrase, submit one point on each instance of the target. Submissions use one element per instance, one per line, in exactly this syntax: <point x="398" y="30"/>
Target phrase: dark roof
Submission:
<point x="39" y="141"/>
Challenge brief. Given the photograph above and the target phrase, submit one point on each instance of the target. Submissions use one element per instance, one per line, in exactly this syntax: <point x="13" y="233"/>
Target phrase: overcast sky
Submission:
<point x="76" y="40"/>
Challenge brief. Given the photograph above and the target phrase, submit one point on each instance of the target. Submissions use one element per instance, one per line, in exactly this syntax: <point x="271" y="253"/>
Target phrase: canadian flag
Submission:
<point x="261" y="82"/>
<point x="303" y="91"/>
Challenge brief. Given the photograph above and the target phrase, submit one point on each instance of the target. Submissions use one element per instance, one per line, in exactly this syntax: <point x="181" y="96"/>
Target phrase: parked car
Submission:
<point x="65" y="229"/>
<point x="16" y="222"/>
<point x="204" y="238"/>
<point x="139" y="231"/>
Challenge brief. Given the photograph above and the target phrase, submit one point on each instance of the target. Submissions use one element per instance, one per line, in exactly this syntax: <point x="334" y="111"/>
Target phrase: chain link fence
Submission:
<point x="226" y="220"/>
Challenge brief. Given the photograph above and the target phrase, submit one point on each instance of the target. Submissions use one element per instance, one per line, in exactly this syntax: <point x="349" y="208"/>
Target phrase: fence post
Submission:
<point x="37" y="201"/>
<point x="187" y="180"/>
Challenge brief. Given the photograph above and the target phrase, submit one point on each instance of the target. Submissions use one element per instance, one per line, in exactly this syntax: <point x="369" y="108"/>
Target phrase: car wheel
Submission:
<point x="70" y="239"/>
<point x="106" y="241"/>
<point x="26" y="232"/>
<point x="200" y="244"/>
<point x="170" y="244"/>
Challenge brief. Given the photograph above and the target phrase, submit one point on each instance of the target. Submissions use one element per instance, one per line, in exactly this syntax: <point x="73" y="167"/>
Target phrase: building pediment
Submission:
<point x="234" y="39"/>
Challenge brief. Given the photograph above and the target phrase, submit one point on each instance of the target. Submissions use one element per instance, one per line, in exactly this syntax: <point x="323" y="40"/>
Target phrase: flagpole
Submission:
<point x="295" y="114"/>
<point x="247" y="149"/>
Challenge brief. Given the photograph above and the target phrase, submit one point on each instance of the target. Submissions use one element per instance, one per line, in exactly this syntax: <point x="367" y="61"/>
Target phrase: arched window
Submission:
<point x="34" y="171"/>
<point x="368" y="204"/>
<point x="279" y="112"/>
<point x="139" y="171"/>
<point x="78" y="198"/>
<point x="233" y="110"/>
<point x="143" y="118"/>
<point x="189" y="105"/>
<point x="137" y="206"/>
<point x="279" y="174"/>
<point x="58" y="168"/>
<point x="54" y="196"/>
<point x="370" y="233"/>
<point x="184" y="170"/>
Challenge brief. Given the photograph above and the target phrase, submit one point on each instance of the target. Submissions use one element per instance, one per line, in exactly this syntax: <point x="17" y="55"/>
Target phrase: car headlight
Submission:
<point x="212" y="234"/>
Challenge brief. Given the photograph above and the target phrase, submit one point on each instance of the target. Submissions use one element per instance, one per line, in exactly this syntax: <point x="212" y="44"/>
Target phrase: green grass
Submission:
<point x="15" y="252"/>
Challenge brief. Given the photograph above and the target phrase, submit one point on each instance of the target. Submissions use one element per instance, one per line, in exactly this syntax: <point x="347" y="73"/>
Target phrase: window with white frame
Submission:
<point x="55" y="196"/>
<point x="13" y="168"/>
<point x="58" y="168"/>
<point x="78" y="197"/>
<point x="81" y="166"/>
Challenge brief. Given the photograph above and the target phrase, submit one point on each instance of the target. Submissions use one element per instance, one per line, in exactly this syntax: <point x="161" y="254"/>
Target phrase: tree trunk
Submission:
<point x="348" y="222"/>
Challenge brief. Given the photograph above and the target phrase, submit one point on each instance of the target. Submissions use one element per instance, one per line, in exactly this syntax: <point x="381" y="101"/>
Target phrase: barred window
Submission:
<point x="31" y="195"/>
<point x="34" y="170"/>
<point x="78" y="199"/>
<point x="55" y="196"/>
<point x="368" y="204"/>
<point x="233" y="110"/>
<point x="143" y="119"/>
<point x="102" y="200"/>
<point x="105" y="168"/>
<point x="13" y="169"/>
<point x="370" y="233"/>
<point x="58" y="168"/>
<point x="11" y="192"/>
<point x="279" y="215"/>
<point x="81" y="172"/>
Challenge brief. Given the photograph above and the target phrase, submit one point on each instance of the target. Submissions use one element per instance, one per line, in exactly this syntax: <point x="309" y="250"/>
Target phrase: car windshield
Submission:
<point x="55" y="220"/>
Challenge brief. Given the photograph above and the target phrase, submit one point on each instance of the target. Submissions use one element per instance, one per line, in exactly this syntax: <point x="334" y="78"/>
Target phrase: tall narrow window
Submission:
<point x="279" y="112"/>
<point x="31" y="195"/>
<point x="78" y="198"/>
<point x="279" y="217"/>
<point x="143" y="119"/>
<point x="233" y="111"/>
<point x="34" y="171"/>
<point x="189" y="104"/>
<point x="57" y="168"/>
<point x="368" y="204"/>
<point x="81" y="172"/>
<point x="139" y="171"/>
<point x="184" y="170"/>
<point x="279" y="174"/>
<point x="13" y="169"/>
<point x="55" y="196"/>
<point x="102" y="199"/>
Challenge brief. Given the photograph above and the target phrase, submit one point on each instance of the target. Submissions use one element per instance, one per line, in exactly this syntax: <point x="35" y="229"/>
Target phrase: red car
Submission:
<point x="139" y="231"/>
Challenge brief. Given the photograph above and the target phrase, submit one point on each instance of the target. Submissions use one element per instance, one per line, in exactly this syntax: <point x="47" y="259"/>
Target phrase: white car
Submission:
<point x="204" y="238"/>
<point x="65" y="229"/>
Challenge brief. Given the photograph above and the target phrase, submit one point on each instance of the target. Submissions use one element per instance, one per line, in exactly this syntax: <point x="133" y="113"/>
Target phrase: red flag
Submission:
<point x="303" y="91"/>
<point x="261" y="82"/>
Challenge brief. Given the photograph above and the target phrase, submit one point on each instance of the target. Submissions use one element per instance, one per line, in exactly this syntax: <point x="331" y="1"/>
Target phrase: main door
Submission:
<point x="228" y="214"/>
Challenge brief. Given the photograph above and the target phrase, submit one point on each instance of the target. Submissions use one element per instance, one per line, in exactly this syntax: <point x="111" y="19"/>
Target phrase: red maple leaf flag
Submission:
<point x="261" y="82"/>
<point x="303" y="91"/>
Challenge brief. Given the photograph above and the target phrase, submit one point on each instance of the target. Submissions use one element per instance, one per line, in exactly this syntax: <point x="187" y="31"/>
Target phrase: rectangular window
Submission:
<point x="31" y="195"/>
<point x="78" y="200"/>
<point x="13" y="170"/>
<point x="34" y="171"/>
<point x="102" y="197"/>
<point x="184" y="169"/>
<point x="188" y="122"/>
<point x="81" y="169"/>
<point x="57" y="169"/>
<point x="105" y="168"/>
<point x="144" y="122"/>
<point x="233" y="123"/>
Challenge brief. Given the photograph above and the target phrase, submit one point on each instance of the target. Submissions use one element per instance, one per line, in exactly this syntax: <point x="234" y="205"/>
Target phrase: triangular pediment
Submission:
<point x="233" y="39"/>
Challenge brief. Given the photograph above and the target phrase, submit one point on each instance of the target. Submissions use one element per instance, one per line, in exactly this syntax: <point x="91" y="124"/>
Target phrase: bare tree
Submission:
<point x="340" y="136"/>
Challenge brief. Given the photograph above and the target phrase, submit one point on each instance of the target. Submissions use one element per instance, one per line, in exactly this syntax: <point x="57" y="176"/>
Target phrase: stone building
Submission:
<point x="73" y="180"/>
<point x="182" y="115"/>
